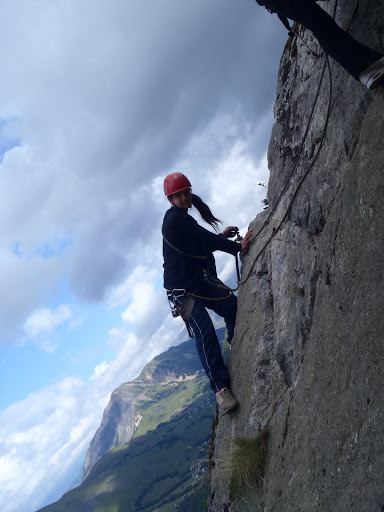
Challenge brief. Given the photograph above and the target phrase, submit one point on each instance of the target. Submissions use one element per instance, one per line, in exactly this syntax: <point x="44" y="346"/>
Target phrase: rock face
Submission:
<point x="307" y="358"/>
<point x="117" y="427"/>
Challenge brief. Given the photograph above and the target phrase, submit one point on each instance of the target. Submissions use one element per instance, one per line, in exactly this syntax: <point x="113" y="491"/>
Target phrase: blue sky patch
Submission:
<point x="50" y="249"/>
<point x="6" y="142"/>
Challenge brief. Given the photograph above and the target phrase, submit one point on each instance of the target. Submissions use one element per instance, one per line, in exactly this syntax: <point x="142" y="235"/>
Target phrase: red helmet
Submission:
<point x="175" y="182"/>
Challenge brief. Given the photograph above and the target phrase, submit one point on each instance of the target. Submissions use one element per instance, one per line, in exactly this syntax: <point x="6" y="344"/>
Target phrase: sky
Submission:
<point x="99" y="101"/>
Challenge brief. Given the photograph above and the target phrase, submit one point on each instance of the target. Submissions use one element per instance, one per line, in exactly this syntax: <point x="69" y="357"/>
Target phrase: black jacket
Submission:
<point x="181" y="231"/>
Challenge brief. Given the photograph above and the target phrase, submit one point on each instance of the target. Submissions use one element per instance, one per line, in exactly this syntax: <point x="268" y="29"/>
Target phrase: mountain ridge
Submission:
<point x="147" y="453"/>
<point x="122" y="417"/>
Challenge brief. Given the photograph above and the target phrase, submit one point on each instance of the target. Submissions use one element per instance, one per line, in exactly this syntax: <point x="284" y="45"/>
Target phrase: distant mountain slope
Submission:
<point x="150" y="451"/>
<point x="153" y="397"/>
<point x="154" y="471"/>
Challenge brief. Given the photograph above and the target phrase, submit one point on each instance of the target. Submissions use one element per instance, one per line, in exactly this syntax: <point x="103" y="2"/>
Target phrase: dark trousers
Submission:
<point x="338" y="44"/>
<point x="207" y="344"/>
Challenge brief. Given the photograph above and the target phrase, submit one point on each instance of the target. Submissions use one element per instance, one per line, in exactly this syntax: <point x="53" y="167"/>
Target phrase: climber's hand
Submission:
<point x="230" y="231"/>
<point x="246" y="240"/>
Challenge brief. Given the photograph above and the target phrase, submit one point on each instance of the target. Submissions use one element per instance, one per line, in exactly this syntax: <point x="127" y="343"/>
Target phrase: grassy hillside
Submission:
<point x="163" y="402"/>
<point x="162" y="468"/>
<point x="155" y="471"/>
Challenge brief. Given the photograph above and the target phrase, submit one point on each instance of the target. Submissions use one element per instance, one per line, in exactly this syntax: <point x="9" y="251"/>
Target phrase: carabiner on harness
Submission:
<point x="181" y="304"/>
<point x="174" y="297"/>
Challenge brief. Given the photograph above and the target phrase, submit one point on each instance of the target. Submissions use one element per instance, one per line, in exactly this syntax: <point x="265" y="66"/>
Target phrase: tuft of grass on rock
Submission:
<point x="247" y="462"/>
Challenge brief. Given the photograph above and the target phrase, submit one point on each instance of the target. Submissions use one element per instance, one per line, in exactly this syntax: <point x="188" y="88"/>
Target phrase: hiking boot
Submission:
<point x="373" y="75"/>
<point x="226" y="402"/>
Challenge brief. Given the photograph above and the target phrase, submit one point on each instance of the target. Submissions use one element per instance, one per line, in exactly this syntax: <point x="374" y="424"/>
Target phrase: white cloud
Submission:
<point x="144" y="305"/>
<point x="46" y="320"/>
<point x="40" y="440"/>
<point x="116" y="337"/>
<point x="124" y="291"/>
<point x="99" y="370"/>
<point x="43" y="439"/>
<point x="41" y="325"/>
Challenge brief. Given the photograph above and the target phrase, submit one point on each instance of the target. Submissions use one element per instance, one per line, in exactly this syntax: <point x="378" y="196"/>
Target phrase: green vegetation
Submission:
<point x="164" y="403"/>
<point x="156" y="468"/>
<point x="155" y="471"/>
<point x="247" y="462"/>
<point x="159" y="469"/>
<point x="162" y="468"/>
<point x="196" y="499"/>
<point x="181" y="360"/>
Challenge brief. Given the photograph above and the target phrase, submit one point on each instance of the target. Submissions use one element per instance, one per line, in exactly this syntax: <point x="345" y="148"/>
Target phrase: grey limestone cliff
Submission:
<point x="307" y="358"/>
<point x="117" y="427"/>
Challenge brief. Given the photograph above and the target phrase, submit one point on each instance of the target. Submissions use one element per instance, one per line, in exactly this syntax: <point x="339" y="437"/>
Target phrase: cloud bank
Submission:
<point x="100" y="100"/>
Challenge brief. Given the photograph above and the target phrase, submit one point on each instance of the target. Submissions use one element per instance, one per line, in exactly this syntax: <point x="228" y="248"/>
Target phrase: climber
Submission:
<point x="361" y="62"/>
<point x="191" y="281"/>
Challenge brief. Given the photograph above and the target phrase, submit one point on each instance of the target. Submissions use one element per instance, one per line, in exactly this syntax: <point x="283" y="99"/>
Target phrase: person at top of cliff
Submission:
<point x="361" y="62"/>
<point x="191" y="281"/>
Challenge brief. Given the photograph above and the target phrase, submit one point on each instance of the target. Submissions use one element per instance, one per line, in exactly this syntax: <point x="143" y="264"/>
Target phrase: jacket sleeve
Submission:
<point x="183" y="225"/>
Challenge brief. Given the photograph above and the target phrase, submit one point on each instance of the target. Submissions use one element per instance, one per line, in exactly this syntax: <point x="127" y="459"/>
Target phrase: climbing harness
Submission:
<point x="181" y="302"/>
<point x="212" y="280"/>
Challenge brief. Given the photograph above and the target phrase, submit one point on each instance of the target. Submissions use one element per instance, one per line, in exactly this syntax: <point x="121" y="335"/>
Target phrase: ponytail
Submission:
<point x="205" y="212"/>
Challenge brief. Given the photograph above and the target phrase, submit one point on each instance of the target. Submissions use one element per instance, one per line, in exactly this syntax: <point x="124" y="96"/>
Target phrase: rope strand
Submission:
<point x="285" y="187"/>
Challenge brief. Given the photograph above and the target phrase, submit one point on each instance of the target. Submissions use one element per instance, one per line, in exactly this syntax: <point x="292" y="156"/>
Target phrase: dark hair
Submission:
<point x="205" y="212"/>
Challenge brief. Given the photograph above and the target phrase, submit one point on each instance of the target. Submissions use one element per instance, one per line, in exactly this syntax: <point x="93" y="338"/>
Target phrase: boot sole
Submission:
<point x="230" y="410"/>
